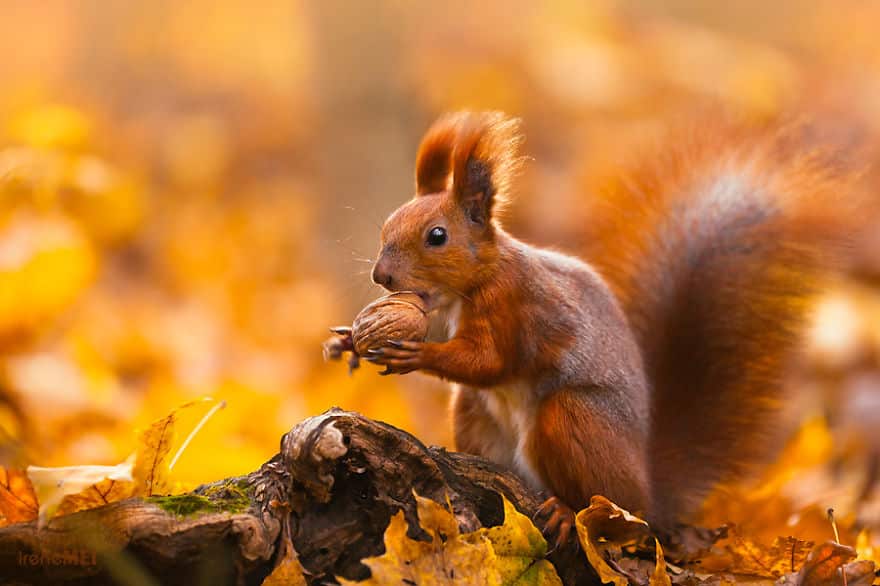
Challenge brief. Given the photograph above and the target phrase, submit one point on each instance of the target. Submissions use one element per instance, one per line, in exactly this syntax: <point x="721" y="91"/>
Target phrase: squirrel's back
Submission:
<point x="715" y="249"/>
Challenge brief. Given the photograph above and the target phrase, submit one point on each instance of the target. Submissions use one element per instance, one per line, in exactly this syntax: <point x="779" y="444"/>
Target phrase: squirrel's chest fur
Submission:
<point x="503" y="421"/>
<point x="508" y="405"/>
<point x="512" y="407"/>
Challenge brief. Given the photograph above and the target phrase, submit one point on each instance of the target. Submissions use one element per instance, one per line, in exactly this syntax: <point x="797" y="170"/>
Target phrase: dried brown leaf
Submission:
<point x="603" y="529"/>
<point x="755" y="559"/>
<point x="823" y="565"/>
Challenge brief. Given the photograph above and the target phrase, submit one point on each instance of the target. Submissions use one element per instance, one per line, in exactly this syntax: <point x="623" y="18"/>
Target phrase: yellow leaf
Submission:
<point x="510" y="554"/>
<point x="144" y="473"/>
<point x="520" y="549"/>
<point x="288" y="571"/>
<point x="444" y="559"/>
<point x="18" y="502"/>
<point x="604" y="528"/>
<point x="659" y="577"/>
<point x="151" y="469"/>
<point x="151" y="460"/>
<point x="102" y="493"/>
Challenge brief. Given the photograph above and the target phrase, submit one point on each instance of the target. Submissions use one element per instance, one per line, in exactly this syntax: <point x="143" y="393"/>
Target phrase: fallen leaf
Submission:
<point x="102" y="493"/>
<point x="603" y="530"/>
<point x="439" y="561"/>
<point x="823" y="565"/>
<point x="689" y="543"/>
<point x="18" y="502"/>
<point x="520" y="549"/>
<point x="150" y="473"/>
<point x="54" y="484"/>
<point x="507" y="555"/>
<point x="144" y="473"/>
<point x="860" y="573"/>
<point x="659" y="577"/>
<point x="756" y="559"/>
<point x="288" y="571"/>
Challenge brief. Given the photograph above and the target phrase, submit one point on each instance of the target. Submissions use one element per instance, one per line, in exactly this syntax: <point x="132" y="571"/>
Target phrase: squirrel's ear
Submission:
<point x="434" y="160"/>
<point x="485" y="161"/>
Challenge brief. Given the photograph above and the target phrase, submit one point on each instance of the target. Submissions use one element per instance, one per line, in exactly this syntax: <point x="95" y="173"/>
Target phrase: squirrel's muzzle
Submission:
<point x="382" y="273"/>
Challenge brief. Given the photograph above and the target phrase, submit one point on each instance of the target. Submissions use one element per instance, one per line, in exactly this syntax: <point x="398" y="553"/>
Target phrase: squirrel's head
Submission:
<point x="442" y="243"/>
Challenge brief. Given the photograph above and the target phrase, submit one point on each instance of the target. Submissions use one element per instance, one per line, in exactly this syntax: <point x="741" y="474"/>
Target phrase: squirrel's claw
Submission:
<point x="342" y="342"/>
<point x="397" y="356"/>
<point x="560" y="521"/>
<point x="354" y="362"/>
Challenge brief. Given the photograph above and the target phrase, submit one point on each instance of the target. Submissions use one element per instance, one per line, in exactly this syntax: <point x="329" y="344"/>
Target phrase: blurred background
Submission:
<point x="191" y="193"/>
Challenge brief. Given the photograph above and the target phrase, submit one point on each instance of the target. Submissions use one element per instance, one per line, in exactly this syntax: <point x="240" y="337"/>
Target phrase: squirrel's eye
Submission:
<point x="437" y="236"/>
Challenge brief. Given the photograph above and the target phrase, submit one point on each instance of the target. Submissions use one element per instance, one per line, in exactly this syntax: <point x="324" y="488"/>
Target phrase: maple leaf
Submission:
<point x="786" y="554"/>
<point x="510" y="554"/>
<point x="438" y="561"/>
<point x="18" y="502"/>
<point x="519" y="549"/>
<point x="603" y="529"/>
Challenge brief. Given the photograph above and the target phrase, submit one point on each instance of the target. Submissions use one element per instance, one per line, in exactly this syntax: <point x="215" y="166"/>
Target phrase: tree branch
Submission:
<point x="336" y="482"/>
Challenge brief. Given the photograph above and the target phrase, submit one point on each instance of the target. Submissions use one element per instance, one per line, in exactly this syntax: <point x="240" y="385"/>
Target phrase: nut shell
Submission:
<point x="398" y="316"/>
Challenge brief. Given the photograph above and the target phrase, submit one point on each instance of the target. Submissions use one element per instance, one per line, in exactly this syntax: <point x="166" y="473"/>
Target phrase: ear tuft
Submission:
<point x="485" y="161"/>
<point x="434" y="159"/>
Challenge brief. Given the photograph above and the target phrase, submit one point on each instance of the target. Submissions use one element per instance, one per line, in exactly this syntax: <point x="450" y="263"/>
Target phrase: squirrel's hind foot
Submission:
<point x="558" y="523"/>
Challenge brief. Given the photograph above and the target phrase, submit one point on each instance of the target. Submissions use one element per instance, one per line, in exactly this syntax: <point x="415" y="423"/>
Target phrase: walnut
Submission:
<point x="398" y="316"/>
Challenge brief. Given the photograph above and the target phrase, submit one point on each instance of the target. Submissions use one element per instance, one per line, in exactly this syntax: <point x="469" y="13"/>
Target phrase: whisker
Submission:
<point x="369" y="215"/>
<point x="357" y="290"/>
<point x="350" y="249"/>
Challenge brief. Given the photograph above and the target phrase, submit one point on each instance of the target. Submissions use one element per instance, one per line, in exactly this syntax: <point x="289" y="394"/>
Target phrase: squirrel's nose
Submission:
<point x="381" y="275"/>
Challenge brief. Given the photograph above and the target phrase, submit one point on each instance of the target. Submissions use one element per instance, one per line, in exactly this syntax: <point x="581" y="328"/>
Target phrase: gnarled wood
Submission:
<point x="336" y="482"/>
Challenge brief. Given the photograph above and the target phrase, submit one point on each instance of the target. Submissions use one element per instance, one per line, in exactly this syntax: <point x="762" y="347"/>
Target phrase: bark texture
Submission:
<point x="338" y="479"/>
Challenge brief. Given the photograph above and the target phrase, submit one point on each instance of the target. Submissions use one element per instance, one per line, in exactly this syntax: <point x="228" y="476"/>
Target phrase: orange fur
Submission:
<point x="580" y="451"/>
<point x="434" y="159"/>
<point x="650" y="386"/>
<point x="486" y="159"/>
<point x="716" y="247"/>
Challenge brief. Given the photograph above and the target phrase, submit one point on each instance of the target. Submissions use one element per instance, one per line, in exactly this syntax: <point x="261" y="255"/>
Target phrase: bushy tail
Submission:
<point x="716" y="249"/>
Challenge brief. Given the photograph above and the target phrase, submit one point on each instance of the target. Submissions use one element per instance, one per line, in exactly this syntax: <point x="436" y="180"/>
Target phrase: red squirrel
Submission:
<point x="654" y="372"/>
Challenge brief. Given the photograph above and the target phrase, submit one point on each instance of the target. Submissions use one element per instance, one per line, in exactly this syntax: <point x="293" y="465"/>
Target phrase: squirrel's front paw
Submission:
<point x="398" y="357"/>
<point x="335" y="347"/>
